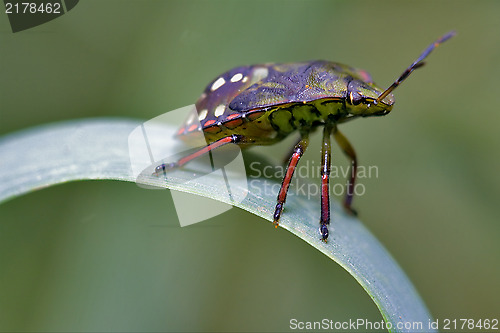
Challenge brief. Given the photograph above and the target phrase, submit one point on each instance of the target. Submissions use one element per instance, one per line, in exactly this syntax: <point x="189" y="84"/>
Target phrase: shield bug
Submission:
<point x="262" y="104"/>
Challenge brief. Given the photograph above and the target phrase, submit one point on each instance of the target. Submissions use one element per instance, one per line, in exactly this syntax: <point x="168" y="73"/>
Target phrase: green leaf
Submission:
<point x="99" y="149"/>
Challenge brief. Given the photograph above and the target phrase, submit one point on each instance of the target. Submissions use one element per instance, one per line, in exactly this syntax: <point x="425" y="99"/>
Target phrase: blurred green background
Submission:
<point x="110" y="256"/>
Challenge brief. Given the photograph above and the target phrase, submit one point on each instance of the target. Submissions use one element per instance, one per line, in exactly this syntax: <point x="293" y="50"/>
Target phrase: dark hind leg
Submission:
<point x="351" y="154"/>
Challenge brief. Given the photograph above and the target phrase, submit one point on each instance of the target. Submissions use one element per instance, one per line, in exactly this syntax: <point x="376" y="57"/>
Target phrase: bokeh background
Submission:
<point x="110" y="256"/>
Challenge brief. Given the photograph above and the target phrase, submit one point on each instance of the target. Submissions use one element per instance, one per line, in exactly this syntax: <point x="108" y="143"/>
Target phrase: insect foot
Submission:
<point x="163" y="168"/>
<point x="323" y="230"/>
<point x="277" y="214"/>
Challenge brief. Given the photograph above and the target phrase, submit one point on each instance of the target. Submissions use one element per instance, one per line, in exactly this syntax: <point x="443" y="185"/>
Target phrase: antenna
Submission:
<point x="416" y="64"/>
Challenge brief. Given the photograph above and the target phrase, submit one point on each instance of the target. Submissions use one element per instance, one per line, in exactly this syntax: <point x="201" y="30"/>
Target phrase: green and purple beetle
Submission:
<point x="262" y="104"/>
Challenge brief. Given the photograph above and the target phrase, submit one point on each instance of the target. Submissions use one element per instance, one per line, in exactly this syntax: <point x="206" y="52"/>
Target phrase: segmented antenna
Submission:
<point x="416" y="64"/>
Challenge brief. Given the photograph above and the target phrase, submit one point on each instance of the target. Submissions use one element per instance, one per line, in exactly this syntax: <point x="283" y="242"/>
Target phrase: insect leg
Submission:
<point x="214" y="145"/>
<point x="351" y="154"/>
<point x="298" y="151"/>
<point x="286" y="157"/>
<point x="326" y="151"/>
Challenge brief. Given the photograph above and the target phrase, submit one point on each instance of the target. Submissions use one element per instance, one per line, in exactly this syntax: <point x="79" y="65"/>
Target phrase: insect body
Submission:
<point x="262" y="104"/>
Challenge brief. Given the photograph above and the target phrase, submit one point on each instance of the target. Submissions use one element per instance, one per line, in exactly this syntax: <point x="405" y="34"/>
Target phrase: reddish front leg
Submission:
<point x="326" y="151"/>
<point x="298" y="151"/>
<point x="214" y="145"/>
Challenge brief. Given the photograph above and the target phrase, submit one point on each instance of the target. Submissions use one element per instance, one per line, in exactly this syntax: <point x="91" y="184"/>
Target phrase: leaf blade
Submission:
<point x="98" y="149"/>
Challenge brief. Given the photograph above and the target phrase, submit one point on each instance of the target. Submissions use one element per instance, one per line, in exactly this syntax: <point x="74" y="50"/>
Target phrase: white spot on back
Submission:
<point x="236" y="77"/>
<point x="219" y="110"/>
<point x="203" y="114"/>
<point x="260" y="73"/>
<point x="245" y="79"/>
<point x="218" y="83"/>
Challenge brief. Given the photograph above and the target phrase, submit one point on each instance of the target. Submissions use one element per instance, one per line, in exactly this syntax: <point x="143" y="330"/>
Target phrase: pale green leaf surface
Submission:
<point x="98" y="149"/>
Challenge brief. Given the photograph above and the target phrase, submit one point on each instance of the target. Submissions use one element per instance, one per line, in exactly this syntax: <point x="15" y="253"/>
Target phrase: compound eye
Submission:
<point x="355" y="97"/>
